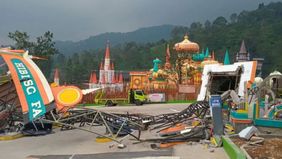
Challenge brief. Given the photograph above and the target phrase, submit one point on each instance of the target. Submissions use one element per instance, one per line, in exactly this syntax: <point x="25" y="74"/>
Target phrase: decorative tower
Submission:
<point x="207" y="54"/>
<point x="107" y="77"/>
<point x="242" y="55"/>
<point x="226" y="58"/>
<point x="213" y="56"/>
<point x="167" y="58"/>
<point x="93" y="80"/>
<point x="185" y="65"/>
<point x="56" y="77"/>
<point x="107" y="64"/>
<point x="120" y="82"/>
<point x="101" y="73"/>
<point x="112" y="73"/>
<point x="90" y="81"/>
<point x="120" y="79"/>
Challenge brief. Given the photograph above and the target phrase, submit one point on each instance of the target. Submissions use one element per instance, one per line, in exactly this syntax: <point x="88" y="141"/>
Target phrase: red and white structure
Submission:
<point x="56" y="77"/>
<point x="93" y="81"/>
<point x="108" y="78"/>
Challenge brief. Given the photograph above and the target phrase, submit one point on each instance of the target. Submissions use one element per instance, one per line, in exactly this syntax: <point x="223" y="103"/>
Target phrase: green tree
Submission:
<point x="261" y="5"/>
<point x="21" y="40"/>
<point x="207" y="24"/>
<point x="43" y="47"/>
<point x="220" y="21"/>
<point x="233" y="18"/>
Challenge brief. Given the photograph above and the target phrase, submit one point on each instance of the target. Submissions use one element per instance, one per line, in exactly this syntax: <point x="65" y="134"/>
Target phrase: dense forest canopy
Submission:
<point x="261" y="29"/>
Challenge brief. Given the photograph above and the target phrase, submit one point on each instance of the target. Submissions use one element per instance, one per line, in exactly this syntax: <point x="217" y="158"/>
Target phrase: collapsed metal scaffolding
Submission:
<point x="195" y="110"/>
<point x="11" y="118"/>
<point x="85" y="119"/>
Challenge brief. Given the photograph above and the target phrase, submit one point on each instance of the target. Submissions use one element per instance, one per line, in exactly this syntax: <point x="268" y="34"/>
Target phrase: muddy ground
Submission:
<point x="271" y="148"/>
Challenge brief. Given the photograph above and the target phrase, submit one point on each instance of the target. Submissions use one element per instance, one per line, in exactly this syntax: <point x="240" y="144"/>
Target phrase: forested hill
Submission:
<point x="261" y="29"/>
<point x="143" y="35"/>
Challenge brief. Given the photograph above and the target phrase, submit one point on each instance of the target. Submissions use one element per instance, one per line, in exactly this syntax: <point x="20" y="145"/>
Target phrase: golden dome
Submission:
<point x="186" y="46"/>
<point x="208" y="62"/>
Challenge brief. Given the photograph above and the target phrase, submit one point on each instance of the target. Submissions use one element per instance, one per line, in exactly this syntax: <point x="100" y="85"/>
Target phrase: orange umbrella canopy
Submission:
<point x="187" y="46"/>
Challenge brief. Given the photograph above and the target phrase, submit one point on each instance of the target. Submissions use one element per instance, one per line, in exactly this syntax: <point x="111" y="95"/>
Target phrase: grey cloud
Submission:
<point x="79" y="19"/>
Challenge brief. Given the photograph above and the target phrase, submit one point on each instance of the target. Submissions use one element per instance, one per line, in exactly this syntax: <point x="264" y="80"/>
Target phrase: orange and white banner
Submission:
<point x="32" y="87"/>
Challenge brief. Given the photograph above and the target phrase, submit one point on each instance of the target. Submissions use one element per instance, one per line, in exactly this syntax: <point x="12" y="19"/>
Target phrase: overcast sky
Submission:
<point x="78" y="19"/>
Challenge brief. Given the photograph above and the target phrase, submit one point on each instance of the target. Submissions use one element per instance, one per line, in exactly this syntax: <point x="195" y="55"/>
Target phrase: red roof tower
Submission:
<point x="56" y="77"/>
<point x="94" y="78"/>
<point x="120" y="80"/>
<point x="107" y="63"/>
<point x="112" y="66"/>
<point x="213" y="56"/>
<point x="101" y="66"/>
<point x="90" y="79"/>
<point x="107" y="52"/>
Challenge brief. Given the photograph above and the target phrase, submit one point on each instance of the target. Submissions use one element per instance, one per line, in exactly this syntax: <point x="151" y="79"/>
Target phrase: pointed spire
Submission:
<point x="107" y="52"/>
<point x="207" y="52"/>
<point x="167" y="53"/>
<point x="90" y="78"/>
<point x="167" y="58"/>
<point x="226" y="58"/>
<point x="101" y="66"/>
<point x="243" y="47"/>
<point x="213" y="56"/>
<point x="56" y="77"/>
<point x="94" y="78"/>
<point x="56" y="74"/>
<point x="112" y="66"/>
<point x="120" y="80"/>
